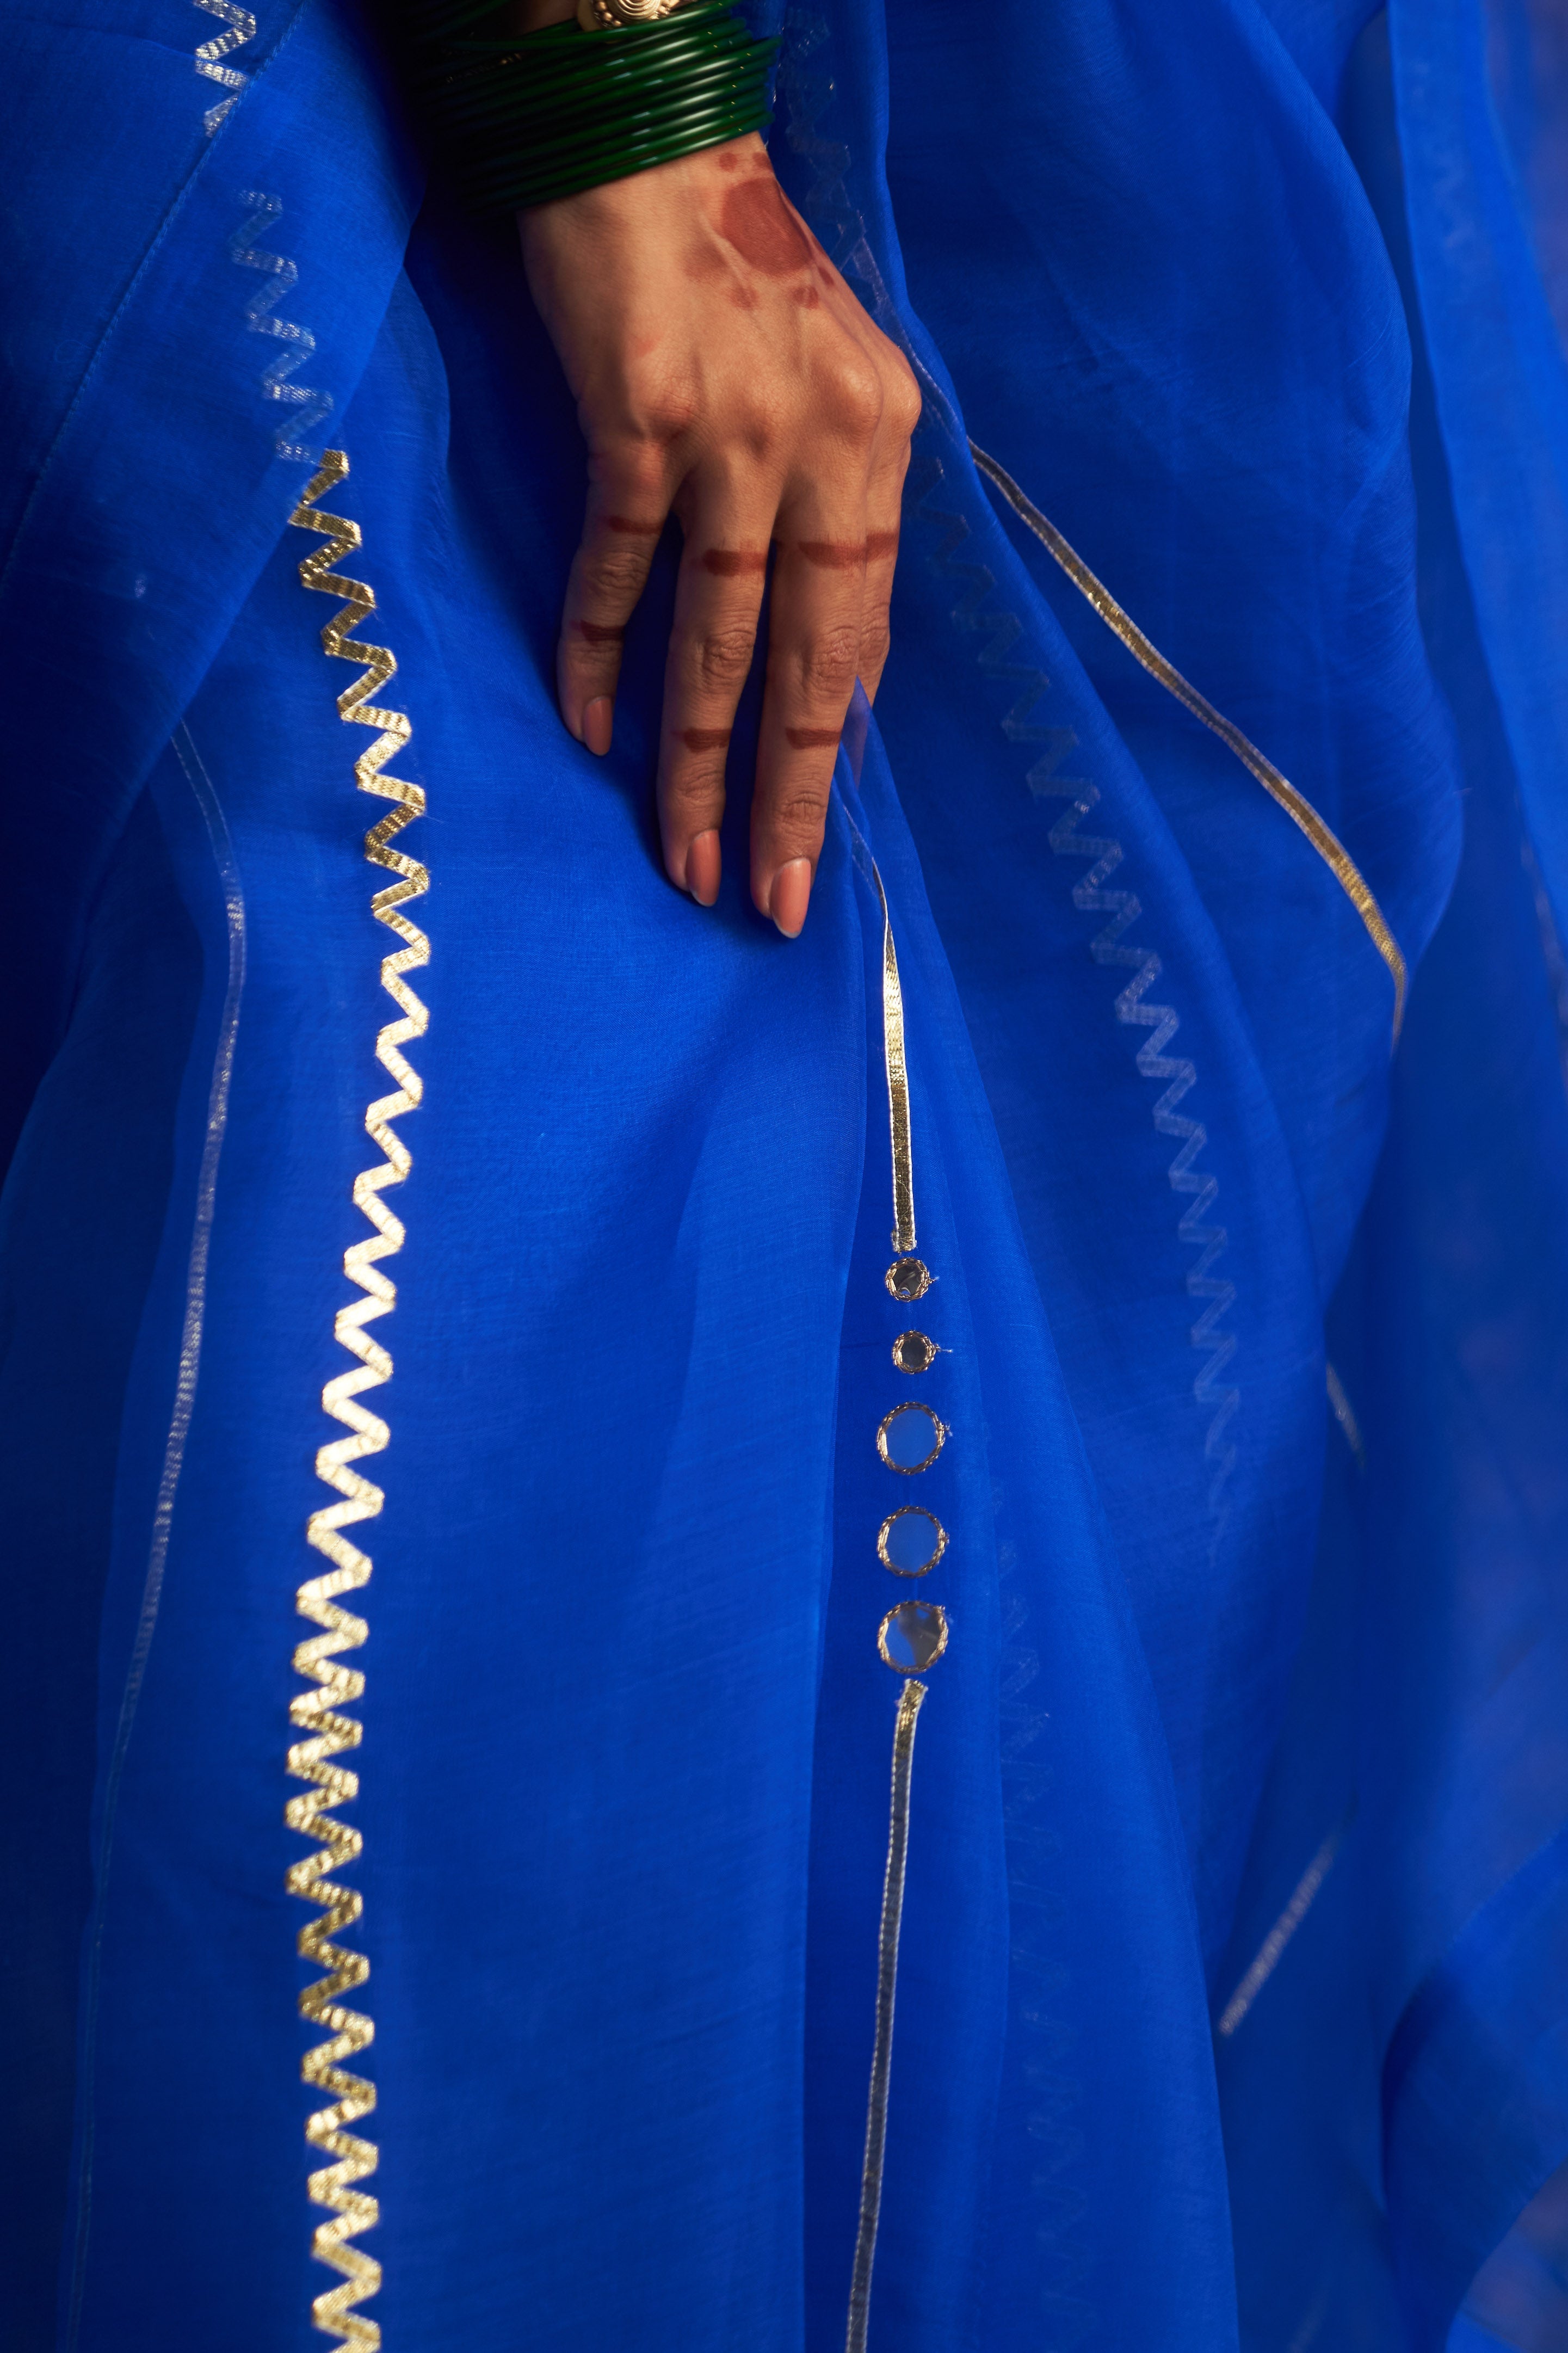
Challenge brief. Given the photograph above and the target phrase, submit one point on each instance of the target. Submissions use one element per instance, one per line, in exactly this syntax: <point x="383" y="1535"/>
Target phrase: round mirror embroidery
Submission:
<point x="914" y="1353"/>
<point x="909" y="1438"/>
<point x="910" y="1541"/>
<point x="908" y="1279"/>
<point x="913" y="1636"/>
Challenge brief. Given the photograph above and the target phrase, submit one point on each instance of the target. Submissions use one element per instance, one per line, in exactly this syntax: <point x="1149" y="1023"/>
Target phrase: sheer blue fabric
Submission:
<point x="1230" y="2005"/>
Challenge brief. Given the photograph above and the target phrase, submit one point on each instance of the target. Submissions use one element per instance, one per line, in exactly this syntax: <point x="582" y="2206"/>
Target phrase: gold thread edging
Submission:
<point x="903" y="1235"/>
<point x="905" y="1512"/>
<point x="944" y="1628"/>
<point x="1296" y="805"/>
<point x="1270" y="1951"/>
<point x="927" y="1342"/>
<point x="907" y="1298"/>
<point x="909" y="1700"/>
<point x="319" y="1712"/>
<point x="911" y="1405"/>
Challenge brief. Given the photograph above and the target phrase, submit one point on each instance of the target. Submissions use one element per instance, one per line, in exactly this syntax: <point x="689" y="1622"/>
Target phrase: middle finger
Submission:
<point x="814" y="644"/>
<point x="717" y="598"/>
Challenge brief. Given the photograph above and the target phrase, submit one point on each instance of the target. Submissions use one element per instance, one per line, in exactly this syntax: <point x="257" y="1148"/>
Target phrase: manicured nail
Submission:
<point x="597" y="725"/>
<point x="787" y="899"/>
<point x="702" y="868"/>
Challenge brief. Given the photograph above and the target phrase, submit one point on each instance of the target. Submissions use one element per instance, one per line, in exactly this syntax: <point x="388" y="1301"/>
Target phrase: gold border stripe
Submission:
<point x="897" y="1081"/>
<point x="319" y="1712"/>
<point x="1271" y="1950"/>
<point x="909" y="1700"/>
<point x="1325" y="841"/>
<point x="1344" y="1414"/>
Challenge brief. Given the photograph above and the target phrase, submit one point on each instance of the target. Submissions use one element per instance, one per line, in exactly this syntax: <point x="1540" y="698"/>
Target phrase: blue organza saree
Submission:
<point x="1230" y="2000"/>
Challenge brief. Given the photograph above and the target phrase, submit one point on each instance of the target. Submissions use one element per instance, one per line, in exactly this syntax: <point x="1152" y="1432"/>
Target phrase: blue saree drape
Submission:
<point x="1230" y="2004"/>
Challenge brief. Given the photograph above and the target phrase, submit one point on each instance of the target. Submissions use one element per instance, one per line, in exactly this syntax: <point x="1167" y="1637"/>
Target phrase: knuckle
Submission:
<point x="722" y="657"/>
<point x="828" y="663"/>
<point x="875" y="640"/>
<point x="695" y="790"/>
<point x="901" y="396"/>
<point x="613" y="575"/>
<point x="757" y="432"/>
<point x="801" y="813"/>
<point x="661" y="414"/>
<point x="586" y="660"/>
<point x="856" y="396"/>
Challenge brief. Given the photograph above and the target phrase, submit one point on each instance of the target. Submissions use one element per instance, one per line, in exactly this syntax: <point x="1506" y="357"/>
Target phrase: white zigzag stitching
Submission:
<point x="241" y="26"/>
<point x="1110" y="947"/>
<point x="308" y="405"/>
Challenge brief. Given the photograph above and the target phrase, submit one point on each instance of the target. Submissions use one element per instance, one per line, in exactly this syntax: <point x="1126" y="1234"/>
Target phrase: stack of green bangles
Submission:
<point x="524" y="121"/>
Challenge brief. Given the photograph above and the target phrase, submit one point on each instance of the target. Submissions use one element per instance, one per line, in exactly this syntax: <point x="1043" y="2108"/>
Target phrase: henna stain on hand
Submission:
<point x="808" y="296"/>
<point x="812" y="739"/>
<point x="880" y="543"/>
<point x="703" y="259"/>
<point x="593" y="633"/>
<point x="756" y="219"/>
<point x="730" y="563"/>
<point x="632" y="530"/>
<point x="833" y="555"/>
<point x="704" y="739"/>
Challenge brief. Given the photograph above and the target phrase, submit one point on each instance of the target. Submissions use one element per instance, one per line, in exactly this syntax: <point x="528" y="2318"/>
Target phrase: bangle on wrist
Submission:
<point x="527" y="121"/>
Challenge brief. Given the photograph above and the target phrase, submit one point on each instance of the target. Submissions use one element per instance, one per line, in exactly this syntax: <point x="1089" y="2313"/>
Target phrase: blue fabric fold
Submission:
<point x="151" y="487"/>
<point x="1500" y="378"/>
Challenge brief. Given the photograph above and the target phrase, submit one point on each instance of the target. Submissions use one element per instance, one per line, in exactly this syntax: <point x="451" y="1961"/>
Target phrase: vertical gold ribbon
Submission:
<point x="898" y="1081"/>
<point x="909" y="1700"/>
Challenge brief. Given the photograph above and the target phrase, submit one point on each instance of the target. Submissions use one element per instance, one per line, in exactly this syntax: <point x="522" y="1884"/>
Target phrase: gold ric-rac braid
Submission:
<point x="319" y="1712"/>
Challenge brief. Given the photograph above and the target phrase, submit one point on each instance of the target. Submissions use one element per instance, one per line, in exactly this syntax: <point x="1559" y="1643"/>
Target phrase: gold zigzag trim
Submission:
<point x="319" y="1712"/>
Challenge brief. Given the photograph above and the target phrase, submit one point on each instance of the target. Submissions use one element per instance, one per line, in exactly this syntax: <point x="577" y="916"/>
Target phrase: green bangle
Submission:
<point x="489" y="187"/>
<point x="499" y="63"/>
<point x="584" y="141"/>
<point x="528" y="120"/>
<point x="507" y="103"/>
<point x="584" y="128"/>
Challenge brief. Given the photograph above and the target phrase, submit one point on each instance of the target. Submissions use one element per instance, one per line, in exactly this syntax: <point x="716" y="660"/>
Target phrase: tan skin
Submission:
<point x="725" y="374"/>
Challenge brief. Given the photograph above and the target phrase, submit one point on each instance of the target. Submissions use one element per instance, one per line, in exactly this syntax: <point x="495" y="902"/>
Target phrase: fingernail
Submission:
<point x="598" y="724"/>
<point x="787" y="899"/>
<point x="702" y="868"/>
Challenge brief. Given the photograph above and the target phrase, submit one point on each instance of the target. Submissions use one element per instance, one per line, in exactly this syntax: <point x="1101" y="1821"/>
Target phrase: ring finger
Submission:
<point x="718" y="599"/>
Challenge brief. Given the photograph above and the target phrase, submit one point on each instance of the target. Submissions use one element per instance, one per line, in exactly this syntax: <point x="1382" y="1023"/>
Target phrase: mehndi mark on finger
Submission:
<point x="812" y="739"/>
<point x="730" y="563"/>
<point x="594" y="633"/>
<point x="704" y="739"/>
<point x="880" y="543"/>
<point x="833" y="555"/>
<point x="631" y="530"/>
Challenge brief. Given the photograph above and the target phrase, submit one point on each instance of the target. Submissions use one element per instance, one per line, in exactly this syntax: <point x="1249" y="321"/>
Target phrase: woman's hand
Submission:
<point x="724" y="373"/>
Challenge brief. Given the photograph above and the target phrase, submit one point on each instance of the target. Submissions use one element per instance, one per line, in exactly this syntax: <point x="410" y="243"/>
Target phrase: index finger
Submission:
<point x="626" y="511"/>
